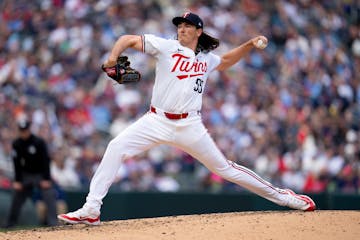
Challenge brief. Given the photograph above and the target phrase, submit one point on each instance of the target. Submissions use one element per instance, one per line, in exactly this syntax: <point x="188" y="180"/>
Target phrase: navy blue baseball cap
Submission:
<point x="205" y="40"/>
<point x="189" y="17"/>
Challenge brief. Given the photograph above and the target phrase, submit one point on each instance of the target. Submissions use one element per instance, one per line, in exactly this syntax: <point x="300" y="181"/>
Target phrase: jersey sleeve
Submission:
<point x="153" y="45"/>
<point x="214" y="61"/>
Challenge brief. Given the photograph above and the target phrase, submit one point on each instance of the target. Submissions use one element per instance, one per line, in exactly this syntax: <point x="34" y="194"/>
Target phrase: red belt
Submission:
<point x="172" y="116"/>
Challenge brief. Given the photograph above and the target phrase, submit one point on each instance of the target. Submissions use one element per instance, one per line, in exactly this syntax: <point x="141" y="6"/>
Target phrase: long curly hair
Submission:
<point x="206" y="43"/>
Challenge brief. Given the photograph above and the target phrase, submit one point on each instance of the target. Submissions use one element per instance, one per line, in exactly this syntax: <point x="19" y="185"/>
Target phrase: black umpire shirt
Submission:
<point x="30" y="156"/>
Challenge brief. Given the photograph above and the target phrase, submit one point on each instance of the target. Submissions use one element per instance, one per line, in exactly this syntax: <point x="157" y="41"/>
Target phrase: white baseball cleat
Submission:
<point x="300" y="202"/>
<point x="83" y="215"/>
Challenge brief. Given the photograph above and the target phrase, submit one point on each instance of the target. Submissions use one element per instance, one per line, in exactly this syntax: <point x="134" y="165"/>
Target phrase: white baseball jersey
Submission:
<point x="180" y="74"/>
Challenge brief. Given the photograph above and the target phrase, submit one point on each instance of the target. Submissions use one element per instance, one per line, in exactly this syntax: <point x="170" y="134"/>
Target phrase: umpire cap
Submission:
<point x="23" y="124"/>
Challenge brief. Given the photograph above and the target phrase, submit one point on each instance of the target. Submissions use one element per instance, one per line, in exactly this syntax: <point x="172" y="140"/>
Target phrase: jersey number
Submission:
<point x="199" y="85"/>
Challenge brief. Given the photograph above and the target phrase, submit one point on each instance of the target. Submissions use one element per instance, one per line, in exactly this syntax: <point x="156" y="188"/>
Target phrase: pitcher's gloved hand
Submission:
<point x="121" y="72"/>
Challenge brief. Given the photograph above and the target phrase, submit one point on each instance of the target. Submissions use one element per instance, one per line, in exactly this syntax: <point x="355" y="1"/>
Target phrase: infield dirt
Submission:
<point x="280" y="225"/>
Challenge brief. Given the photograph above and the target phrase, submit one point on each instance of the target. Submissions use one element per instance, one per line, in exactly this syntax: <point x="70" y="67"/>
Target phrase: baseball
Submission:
<point x="261" y="44"/>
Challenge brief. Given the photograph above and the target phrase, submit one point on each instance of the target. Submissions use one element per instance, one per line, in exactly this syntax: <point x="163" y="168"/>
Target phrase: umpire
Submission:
<point x="32" y="170"/>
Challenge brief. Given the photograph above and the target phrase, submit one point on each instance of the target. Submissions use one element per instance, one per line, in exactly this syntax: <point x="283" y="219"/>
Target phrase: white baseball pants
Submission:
<point x="189" y="135"/>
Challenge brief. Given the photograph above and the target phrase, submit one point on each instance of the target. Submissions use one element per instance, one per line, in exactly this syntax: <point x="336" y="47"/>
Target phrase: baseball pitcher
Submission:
<point x="174" y="117"/>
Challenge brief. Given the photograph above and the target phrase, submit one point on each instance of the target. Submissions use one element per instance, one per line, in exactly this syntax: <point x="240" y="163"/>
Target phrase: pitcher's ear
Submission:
<point x="199" y="32"/>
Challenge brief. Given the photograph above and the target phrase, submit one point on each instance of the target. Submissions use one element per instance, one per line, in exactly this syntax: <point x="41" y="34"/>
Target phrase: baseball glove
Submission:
<point x="122" y="72"/>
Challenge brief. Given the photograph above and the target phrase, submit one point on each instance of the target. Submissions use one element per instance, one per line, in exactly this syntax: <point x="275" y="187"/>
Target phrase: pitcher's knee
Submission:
<point x="227" y="173"/>
<point x="118" y="145"/>
<point x="119" y="150"/>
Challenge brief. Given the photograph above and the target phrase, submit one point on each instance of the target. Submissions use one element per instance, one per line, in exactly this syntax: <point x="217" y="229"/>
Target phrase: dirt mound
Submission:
<point x="226" y="226"/>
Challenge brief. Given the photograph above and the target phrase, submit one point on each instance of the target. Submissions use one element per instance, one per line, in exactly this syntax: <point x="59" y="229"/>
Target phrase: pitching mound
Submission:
<point x="244" y="225"/>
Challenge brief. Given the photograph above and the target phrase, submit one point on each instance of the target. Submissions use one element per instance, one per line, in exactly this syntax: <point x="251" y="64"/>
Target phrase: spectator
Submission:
<point x="63" y="172"/>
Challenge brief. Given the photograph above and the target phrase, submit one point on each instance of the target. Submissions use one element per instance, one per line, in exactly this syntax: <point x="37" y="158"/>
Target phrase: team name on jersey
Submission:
<point x="183" y="65"/>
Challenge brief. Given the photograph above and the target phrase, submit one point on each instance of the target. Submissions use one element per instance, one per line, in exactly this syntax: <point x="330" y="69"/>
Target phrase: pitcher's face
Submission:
<point x="188" y="34"/>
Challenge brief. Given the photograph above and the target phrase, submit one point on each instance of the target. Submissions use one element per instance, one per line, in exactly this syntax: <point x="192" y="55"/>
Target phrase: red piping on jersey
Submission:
<point x="252" y="174"/>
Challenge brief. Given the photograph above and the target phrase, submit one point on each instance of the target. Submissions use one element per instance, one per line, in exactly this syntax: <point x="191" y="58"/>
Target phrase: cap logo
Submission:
<point x="186" y="14"/>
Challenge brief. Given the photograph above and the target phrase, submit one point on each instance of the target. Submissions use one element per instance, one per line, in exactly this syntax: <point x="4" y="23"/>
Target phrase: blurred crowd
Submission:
<point x="290" y="112"/>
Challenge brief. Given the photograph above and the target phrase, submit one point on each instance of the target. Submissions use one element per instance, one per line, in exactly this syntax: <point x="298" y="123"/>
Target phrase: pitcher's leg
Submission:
<point x="206" y="151"/>
<point x="142" y="135"/>
<point x="106" y="172"/>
